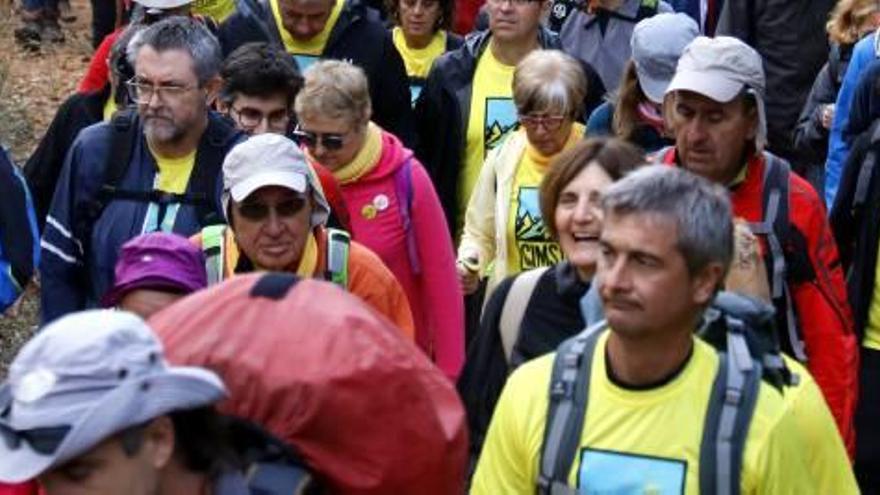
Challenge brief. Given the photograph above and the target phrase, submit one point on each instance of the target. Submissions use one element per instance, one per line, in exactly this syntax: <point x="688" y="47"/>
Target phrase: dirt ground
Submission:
<point x="32" y="86"/>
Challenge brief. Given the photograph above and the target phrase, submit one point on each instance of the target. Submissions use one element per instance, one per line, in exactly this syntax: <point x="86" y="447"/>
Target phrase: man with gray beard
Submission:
<point x="156" y="168"/>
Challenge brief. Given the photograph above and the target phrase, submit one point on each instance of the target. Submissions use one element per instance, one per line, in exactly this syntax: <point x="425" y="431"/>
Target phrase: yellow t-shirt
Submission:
<point x="306" y="52"/>
<point x="635" y="442"/>
<point x="418" y="61"/>
<point x="529" y="244"/>
<point x="492" y="116"/>
<point x="173" y="175"/>
<point x="872" y="331"/>
<point x="109" y="109"/>
<point x="826" y="456"/>
<point x="218" y="10"/>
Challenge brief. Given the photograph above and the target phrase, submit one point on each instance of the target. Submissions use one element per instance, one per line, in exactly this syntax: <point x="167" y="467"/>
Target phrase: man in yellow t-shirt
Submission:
<point x="348" y="30"/>
<point x="666" y="244"/>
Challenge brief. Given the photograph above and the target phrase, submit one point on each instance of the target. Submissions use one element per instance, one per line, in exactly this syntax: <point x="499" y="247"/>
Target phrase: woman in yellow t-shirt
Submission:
<point x="421" y="34"/>
<point x="504" y="231"/>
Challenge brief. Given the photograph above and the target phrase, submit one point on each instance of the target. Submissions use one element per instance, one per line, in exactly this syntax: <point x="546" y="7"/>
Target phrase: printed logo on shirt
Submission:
<point x="305" y="61"/>
<point x="622" y="473"/>
<point x="534" y="246"/>
<point x="415" y="89"/>
<point x="500" y="118"/>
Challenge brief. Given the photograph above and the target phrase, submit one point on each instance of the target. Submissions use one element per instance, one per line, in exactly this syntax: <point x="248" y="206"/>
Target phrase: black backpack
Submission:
<point x="743" y="331"/>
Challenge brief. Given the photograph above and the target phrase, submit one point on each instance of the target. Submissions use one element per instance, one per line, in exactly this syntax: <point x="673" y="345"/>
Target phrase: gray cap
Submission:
<point x="271" y="160"/>
<point x="657" y="43"/>
<point x="160" y="5"/>
<point x="721" y="68"/>
<point x="84" y="378"/>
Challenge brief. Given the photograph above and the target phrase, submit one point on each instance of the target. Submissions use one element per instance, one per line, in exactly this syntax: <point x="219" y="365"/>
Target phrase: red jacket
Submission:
<point x="818" y="291"/>
<point x="98" y="74"/>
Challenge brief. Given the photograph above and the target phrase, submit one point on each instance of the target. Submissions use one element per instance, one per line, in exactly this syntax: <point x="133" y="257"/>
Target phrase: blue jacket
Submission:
<point x="19" y="246"/>
<point x="838" y="144"/>
<point x="79" y="255"/>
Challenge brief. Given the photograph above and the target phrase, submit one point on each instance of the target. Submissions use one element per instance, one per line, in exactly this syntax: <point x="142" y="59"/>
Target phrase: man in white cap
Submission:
<point x="715" y="109"/>
<point x="277" y="213"/>
<point x="91" y="406"/>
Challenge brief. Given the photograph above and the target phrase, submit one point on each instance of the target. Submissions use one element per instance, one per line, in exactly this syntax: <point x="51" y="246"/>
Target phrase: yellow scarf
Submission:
<point x="309" y="260"/>
<point x="366" y="159"/>
<point x="418" y="61"/>
<point x="314" y="46"/>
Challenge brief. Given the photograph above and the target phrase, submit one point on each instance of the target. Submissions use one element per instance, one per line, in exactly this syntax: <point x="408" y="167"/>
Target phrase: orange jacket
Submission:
<point x="368" y="277"/>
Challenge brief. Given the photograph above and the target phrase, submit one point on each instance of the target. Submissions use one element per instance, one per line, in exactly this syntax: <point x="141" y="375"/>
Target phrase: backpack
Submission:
<point x="562" y="9"/>
<point x="337" y="254"/>
<point x="514" y="308"/>
<point x="775" y="227"/>
<point x="743" y="331"/>
<point x="124" y="133"/>
<point x="866" y="172"/>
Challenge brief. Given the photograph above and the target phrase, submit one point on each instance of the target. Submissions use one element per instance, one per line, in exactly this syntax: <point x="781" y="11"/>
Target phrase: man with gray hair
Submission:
<point x="715" y="109"/>
<point x="644" y="382"/>
<point x="156" y="169"/>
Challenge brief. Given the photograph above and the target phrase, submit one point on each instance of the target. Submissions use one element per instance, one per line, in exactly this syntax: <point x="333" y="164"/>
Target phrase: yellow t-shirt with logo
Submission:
<point x="492" y="116"/>
<point x="418" y="61"/>
<point x="872" y="331"/>
<point x="218" y="10"/>
<point x="637" y="441"/>
<point x="109" y="109"/>
<point x="529" y="244"/>
<point x="173" y="175"/>
<point x="306" y="52"/>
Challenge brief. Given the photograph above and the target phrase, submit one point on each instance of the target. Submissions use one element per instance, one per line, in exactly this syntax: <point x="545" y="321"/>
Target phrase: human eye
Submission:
<point x="567" y="199"/>
<point x="684" y="110"/>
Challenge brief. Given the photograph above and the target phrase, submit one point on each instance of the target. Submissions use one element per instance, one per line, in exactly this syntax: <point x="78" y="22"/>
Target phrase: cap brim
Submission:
<point x="163" y="5"/>
<point x="290" y="180"/>
<point x="115" y="295"/>
<point x="178" y="388"/>
<point x="654" y="89"/>
<point x="716" y="87"/>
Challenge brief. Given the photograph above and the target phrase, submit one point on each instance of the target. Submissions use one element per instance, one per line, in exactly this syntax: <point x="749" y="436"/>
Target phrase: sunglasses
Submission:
<point x="44" y="441"/>
<point x="330" y="141"/>
<point x="285" y="209"/>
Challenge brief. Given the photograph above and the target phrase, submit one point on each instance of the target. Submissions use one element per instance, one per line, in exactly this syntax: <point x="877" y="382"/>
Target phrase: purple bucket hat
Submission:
<point x="157" y="261"/>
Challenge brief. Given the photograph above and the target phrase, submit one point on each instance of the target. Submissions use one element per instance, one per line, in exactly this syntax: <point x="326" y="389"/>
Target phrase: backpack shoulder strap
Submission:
<point x="404" y="189"/>
<point x="124" y="132"/>
<point x="278" y="478"/>
<point x="338" y="249"/>
<point x="730" y="410"/>
<point x="203" y="186"/>
<point x="774" y="224"/>
<point x="569" y="393"/>
<point x="213" y="247"/>
<point x="514" y="307"/>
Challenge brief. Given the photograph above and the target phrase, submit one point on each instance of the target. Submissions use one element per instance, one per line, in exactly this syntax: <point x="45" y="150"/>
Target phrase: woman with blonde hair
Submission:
<point x="392" y="205"/>
<point x="849" y="22"/>
<point x="504" y="231"/>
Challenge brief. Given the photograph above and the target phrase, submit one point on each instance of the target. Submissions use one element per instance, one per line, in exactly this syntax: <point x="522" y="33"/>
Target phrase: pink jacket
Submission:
<point x="377" y="222"/>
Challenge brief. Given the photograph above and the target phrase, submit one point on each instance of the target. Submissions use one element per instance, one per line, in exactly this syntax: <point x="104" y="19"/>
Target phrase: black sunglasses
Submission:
<point x="42" y="440"/>
<point x="330" y="141"/>
<point x="259" y="211"/>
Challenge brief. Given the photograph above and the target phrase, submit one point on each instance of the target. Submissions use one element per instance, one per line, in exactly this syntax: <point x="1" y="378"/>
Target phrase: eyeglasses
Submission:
<point x="250" y="118"/>
<point x="329" y="140"/>
<point x="141" y="92"/>
<point x="549" y="122"/>
<point x="285" y="209"/>
<point x="42" y="440"/>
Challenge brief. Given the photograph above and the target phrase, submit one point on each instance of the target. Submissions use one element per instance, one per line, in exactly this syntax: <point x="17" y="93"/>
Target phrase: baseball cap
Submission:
<point x="271" y="160"/>
<point x="721" y="68"/>
<point x="160" y="5"/>
<point x="84" y="378"/>
<point x="657" y="43"/>
<point x="159" y="261"/>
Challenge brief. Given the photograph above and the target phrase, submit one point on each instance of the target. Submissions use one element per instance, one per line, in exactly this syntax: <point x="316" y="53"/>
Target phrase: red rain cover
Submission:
<point x="321" y="370"/>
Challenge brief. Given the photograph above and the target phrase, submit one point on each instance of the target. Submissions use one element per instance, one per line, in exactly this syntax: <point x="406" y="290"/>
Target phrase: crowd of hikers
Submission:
<point x="450" y="246"/>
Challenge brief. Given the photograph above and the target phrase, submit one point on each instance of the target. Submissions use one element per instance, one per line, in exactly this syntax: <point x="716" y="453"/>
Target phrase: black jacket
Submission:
<point x="44" y="166"/>
<point x="790" y="36"/>
<point x="553" y="314"/>
<point x="810" y="138"/>
<point x="360" y="37"/>
<point x="443" y="109"/>
<point x="857" y="230"/>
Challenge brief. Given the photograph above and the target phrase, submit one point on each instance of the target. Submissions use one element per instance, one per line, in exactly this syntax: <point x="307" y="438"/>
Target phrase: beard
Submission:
<point x="162" y="129"/>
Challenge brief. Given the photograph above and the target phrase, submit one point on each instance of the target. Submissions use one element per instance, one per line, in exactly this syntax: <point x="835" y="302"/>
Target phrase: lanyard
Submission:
<point x="160" y="216"/>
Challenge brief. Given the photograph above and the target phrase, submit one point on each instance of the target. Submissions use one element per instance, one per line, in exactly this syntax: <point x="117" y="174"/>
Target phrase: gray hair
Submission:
<point x="699" y="209"/>
<point x="549" y="81"/>
<point x="337" y="90"/>
<point x="181" y="33"/>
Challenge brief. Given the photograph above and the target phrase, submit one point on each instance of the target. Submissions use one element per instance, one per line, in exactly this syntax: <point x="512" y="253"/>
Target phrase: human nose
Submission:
<point x="273" y="226"/>
<point x="613" y="274"/>
<point x="583" y="211"/>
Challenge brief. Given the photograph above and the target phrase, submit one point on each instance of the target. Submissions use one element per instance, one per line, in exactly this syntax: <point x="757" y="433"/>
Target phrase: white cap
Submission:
<point x="163" y="4"/>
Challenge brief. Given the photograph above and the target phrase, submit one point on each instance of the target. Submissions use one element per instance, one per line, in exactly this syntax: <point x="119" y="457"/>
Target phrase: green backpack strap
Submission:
<point x="338" y="250"/>
<point x="214" y="247"/>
